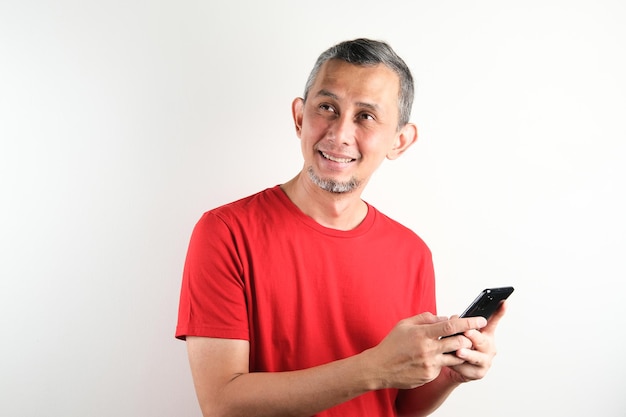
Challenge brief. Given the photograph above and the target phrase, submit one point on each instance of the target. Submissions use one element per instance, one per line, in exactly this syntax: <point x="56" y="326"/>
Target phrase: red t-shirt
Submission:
<point x="302" y="294"/>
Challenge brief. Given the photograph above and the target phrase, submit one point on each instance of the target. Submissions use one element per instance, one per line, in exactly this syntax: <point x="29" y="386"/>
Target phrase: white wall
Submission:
<point x="122" y="121"/>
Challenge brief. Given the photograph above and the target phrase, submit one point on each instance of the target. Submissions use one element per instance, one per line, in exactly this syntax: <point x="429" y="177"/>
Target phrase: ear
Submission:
<point x="297" y="110"/>
<point x="404" y="139"/>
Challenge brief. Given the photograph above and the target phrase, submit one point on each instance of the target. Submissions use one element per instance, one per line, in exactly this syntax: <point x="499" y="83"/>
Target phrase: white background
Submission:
<point x="122" y="121"/>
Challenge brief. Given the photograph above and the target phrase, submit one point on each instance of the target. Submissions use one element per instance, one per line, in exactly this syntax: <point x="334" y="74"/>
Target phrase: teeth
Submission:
<point x="341" y="160"/>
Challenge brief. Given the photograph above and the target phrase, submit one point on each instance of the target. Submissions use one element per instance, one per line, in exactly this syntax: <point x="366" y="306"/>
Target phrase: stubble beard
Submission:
<point x="332" y="186"/>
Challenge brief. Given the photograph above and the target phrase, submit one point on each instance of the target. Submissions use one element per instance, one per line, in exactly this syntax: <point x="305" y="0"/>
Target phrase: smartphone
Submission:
<point x="487" y="302"/>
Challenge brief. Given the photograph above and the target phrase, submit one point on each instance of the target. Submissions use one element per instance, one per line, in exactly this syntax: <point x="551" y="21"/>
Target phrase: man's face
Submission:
<point x="348" y="124"/>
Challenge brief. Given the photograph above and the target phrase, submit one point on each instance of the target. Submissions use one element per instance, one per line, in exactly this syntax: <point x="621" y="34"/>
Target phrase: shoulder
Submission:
<point x="252" y="205"/>
<point x="395" y="230"/>
<point x="259" y="210"/>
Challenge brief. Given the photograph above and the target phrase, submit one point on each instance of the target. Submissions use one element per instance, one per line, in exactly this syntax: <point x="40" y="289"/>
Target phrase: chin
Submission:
<point x="334" y="185"/>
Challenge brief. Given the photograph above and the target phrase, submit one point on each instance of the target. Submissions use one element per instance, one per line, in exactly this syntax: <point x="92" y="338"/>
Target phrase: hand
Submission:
<point x="414" y="353"/>
<point x="477" y="359"/>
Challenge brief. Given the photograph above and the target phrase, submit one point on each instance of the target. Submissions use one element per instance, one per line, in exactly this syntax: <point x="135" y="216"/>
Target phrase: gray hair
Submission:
<point x="367" y="52"/>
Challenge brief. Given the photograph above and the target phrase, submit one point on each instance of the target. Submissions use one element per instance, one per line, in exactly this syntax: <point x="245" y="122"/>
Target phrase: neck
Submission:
<point x="343" y="211"/>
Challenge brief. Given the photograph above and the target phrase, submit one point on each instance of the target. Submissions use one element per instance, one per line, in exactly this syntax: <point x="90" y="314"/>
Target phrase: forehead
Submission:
<point x="377" y="82"/>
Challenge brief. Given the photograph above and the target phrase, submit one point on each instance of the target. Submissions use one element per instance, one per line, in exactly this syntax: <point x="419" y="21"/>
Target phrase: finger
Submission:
<point x="460" y="325"/>
<point x="452" y="360"/>
<point x="475" y="364"/>
<point x="474" y="358"/>
<point x="479" y="341"/>
<point x="453" y="343"/>
<point x="426" y="318"/>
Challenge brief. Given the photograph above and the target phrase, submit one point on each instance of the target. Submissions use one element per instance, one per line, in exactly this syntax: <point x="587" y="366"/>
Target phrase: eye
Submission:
<point x="365" y="116"/>
<point x="327" y="108"/>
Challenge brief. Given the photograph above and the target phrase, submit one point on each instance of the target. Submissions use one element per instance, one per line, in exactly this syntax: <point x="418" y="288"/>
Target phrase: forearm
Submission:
<point x="406" y="358"/>
<point x="297" y="393"/>
<point x="424" y="400"/>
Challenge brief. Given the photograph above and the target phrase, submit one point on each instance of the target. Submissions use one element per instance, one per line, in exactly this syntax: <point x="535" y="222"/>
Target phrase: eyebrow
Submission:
<point x="325" y="93"/>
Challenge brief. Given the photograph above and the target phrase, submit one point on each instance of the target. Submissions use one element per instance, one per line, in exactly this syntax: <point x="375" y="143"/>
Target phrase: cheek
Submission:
<point x="312" y="132"/>
<point x="315" y="125"/>
<point x="374" y="144"/>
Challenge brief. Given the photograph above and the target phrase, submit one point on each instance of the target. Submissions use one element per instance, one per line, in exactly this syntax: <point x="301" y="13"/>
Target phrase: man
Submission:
<point x="305" y="300"/>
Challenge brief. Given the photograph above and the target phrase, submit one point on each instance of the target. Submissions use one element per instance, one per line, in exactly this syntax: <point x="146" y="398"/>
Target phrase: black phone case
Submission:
<point x="487" y="302"/>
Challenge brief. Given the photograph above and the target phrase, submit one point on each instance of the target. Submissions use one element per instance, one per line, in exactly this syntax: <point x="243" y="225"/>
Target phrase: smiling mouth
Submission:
<point x="335" y="159"/>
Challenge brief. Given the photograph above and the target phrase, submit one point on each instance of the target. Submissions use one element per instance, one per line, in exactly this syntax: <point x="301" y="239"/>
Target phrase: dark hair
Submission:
<point x="370" y="52"/>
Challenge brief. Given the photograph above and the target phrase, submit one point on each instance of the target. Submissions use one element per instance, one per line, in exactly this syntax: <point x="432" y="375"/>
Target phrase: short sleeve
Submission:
<point x="212" y="298"/>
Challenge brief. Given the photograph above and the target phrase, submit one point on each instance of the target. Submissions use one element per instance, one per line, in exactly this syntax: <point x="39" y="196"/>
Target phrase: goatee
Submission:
<point x="330" y="185"/>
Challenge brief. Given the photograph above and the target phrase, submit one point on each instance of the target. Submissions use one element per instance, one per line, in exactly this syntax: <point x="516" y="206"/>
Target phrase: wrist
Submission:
<point x="373" y="377"/>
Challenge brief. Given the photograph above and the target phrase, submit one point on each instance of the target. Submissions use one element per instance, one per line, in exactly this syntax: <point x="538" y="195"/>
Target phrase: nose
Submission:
<point x="342" y="131"/>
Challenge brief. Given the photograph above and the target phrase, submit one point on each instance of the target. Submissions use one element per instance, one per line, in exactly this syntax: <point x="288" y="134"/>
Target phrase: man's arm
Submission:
<point x="226" y="388"/>
<point x="410" y="356"/>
